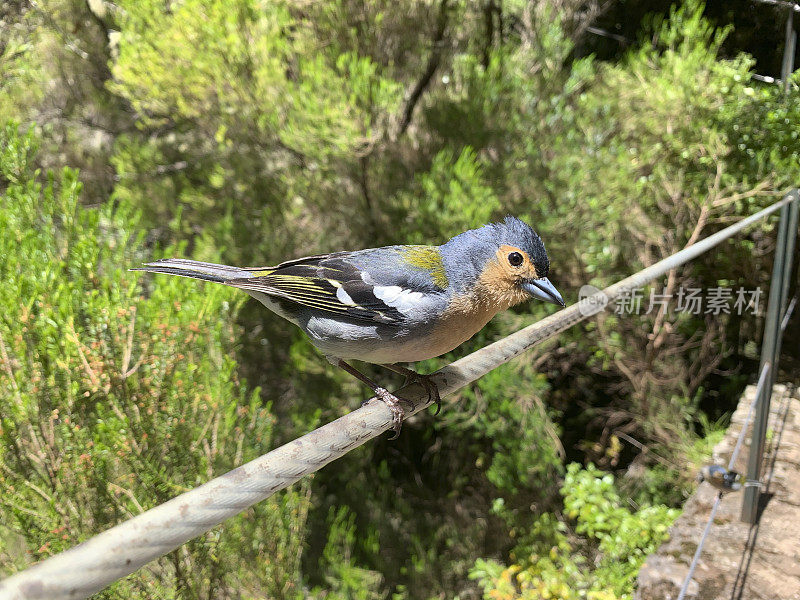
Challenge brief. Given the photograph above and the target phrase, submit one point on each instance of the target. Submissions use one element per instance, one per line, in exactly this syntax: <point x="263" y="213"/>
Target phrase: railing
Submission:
<point x="762" y="379"/>
<point x="121" y="550"/>
<point x="777" y="319"/>
<point x="778" y="314"/>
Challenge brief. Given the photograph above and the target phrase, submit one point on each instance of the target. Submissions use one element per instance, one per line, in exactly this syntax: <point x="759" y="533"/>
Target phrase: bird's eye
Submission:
<point x="515" y="258"/>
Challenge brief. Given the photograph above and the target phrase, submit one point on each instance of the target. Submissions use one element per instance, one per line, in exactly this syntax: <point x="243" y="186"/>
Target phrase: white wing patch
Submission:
<point x="397" y="297"/>
<point x="344" y="297"/>
<point x="387" y="293"/>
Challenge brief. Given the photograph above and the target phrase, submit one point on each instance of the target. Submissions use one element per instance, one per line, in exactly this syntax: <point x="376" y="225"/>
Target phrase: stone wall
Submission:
<point x="739" y="561"/>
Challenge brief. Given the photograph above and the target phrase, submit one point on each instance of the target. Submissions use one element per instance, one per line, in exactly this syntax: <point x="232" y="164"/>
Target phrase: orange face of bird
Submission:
<point x="515" y="264"/>
<point x="512" y="278"/>
<point x="502" y="278"/>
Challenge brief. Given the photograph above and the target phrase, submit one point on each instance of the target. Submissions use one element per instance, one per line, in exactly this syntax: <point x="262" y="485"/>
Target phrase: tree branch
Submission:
<point x="430" y="69"/>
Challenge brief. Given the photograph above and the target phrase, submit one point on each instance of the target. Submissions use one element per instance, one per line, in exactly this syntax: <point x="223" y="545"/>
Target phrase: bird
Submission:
<point x="721" y="478"/>
<point x="394" y="304"/>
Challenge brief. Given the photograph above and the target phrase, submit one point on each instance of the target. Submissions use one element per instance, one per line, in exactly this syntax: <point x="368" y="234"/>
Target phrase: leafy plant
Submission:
<point x="617" y="538"/>
<point x="115" y="402"/>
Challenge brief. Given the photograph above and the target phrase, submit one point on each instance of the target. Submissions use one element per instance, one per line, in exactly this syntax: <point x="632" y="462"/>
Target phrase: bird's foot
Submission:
<point x="427" y="382"/>
<point x="431" y="388"/>
<point x="393" y="402"/>
<point x="382" y="394"/>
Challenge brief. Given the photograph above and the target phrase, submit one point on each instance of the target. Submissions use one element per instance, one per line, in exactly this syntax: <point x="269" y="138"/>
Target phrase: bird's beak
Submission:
<point x="543" y="290"/>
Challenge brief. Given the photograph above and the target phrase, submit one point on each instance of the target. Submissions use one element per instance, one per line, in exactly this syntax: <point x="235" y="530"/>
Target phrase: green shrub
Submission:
<point x="599" y="560"/>
<point x="114" y="402"/>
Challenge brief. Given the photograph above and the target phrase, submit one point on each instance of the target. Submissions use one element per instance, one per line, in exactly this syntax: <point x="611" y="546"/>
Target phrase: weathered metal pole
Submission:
<point x="770" y="349"/>
<point x="794" y="211"/>
<point x="788" y="263"/>
<point x="787" y="66"/>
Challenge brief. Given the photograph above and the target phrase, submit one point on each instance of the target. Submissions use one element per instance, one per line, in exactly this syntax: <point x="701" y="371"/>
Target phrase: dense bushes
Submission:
<point x="114" y="402"/>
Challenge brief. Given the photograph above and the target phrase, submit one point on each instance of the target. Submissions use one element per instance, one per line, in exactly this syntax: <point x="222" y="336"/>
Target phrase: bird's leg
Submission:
<point x="426" y="381"/>
<point x="392" y="401"/>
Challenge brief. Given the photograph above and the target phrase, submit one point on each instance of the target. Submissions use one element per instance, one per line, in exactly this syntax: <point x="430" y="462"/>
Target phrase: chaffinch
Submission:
<point x="721" y="478"/>
<point x="395" y="304"/>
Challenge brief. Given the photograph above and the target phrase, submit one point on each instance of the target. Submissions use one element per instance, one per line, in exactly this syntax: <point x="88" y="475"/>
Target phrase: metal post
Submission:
<point x="788" y="259"/>
<point x="794" y="208"/>
<point x="787" y="66"/>
<point x="770" y="349"/>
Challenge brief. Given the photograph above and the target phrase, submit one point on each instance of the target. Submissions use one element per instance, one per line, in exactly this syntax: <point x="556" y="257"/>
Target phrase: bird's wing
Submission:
<point x="338" y="284"/>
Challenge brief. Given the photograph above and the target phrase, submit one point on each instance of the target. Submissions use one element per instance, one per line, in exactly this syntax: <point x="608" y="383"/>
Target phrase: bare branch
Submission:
<point x="427" y="75"/>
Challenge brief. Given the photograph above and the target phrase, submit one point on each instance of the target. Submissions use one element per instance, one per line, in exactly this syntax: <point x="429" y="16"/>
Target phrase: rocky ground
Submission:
<point x="740" y="561"/>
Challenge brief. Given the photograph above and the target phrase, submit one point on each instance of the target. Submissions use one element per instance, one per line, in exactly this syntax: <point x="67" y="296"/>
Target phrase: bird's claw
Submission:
<point x="426" y="381"/>
<point x="393" y="402"/>
<point x="433" y="391"/>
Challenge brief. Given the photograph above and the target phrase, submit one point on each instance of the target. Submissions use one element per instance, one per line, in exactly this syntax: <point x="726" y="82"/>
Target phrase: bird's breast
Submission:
<point x="462" y="319"/>
<point x="411" y="343"/>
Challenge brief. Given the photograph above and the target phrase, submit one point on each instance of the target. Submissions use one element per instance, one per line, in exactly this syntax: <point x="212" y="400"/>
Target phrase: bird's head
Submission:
<point x="507" y="259"/>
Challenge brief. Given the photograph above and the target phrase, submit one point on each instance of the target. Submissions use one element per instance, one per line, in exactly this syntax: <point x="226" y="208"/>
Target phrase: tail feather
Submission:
<point x="195" y="270"/>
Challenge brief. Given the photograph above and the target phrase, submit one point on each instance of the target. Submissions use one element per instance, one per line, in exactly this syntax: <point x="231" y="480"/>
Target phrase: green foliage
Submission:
<point x="515" y="458"/>
<point x="447" y="198"/>
<point x="258" y="130"/>
<point x="557" y="567"/>
<point x="345" y="580"/>
<point x="19" y="71"/>
<point x="624" y="538"/>
<point x="651" y="153"/>
<point x="114" y="403"/>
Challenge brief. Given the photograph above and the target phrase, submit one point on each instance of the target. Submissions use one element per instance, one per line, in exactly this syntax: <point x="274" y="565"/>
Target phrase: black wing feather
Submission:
<point x="313" y="282"/>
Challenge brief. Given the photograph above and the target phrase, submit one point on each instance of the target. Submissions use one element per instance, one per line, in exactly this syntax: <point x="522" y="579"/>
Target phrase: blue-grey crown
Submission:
<point x="466" y="255"/>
